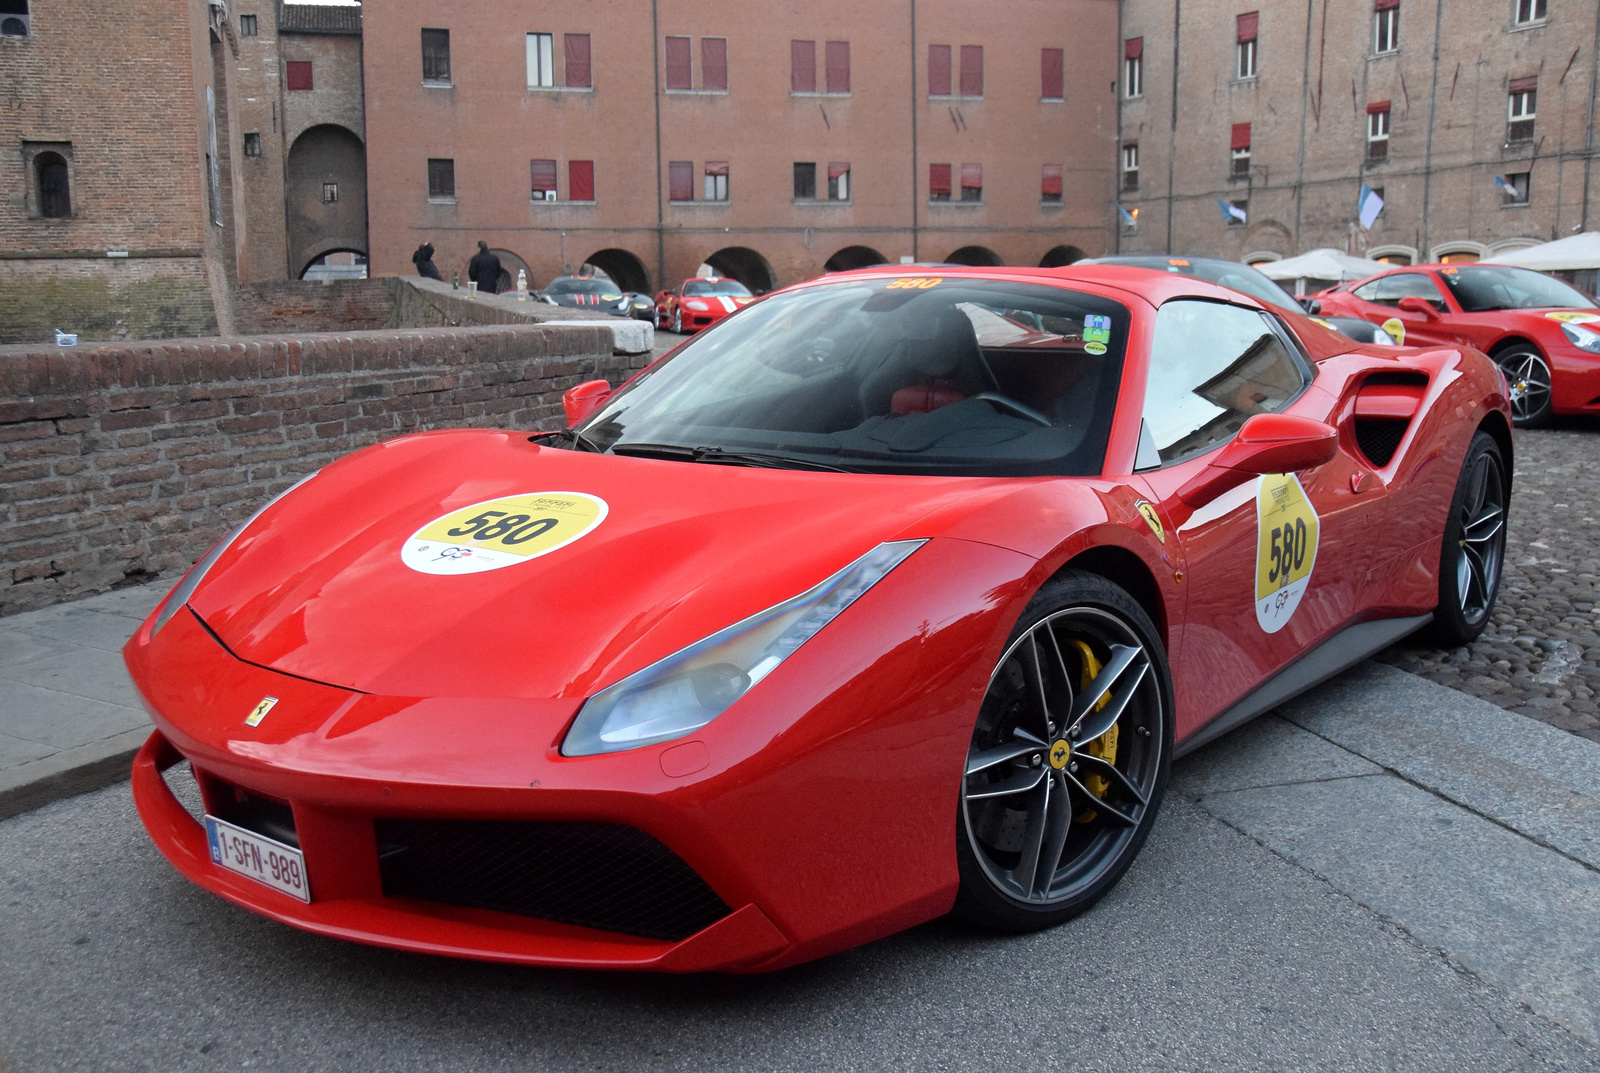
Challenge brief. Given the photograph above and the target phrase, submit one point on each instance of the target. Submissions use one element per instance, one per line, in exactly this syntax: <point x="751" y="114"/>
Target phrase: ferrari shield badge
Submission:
<point x="1152" y="519"/>
<point x="1286" y="548"/>
<point x="502" y="532"/>
<point x="259" y="712"/>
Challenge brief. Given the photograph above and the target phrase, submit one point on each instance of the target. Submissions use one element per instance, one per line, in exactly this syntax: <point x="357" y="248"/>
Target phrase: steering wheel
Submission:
<point x="1006" y="402"/>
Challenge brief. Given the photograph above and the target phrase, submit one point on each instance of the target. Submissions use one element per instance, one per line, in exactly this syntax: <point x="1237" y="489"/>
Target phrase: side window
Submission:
<point x="1213" y="366"/>
<point x="1388" y="290"/>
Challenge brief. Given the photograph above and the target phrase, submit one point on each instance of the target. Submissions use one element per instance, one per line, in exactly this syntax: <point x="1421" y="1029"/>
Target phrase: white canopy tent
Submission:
<point x="1574" y="253"/>
<point x="1318" y="269"/>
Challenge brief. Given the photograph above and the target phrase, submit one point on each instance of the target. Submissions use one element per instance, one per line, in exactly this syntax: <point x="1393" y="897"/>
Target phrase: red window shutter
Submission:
<point x="719" y="168"/>
<point x="802" y="66"/>
<point x="972" y="70"/>
<point x="1380" y="106"/>
<point x="544" y="175"/>
<point x="1385" y="5"/>
<point x="939" y="179"/>
<point x="1052" y="83"/>
<point x="1241" y="136"/>
<point x="580" y="180"/>
<point x="713" y="63"/>
<point x="1133" y="48"/>
<point x="1247" y="25"/>
<point x="836" y="170"/>
<point x="1518" y="85"/>
<point x="938" y="70"/>
<point x="972" y="176"/>
<point x="1050" y="182"/>
<point x="680" y="180"/>
<point x="838" y="59"/>
<point x="299" y="72"/>
<point x="577" y="50"/>
<point x="679" y="73"/>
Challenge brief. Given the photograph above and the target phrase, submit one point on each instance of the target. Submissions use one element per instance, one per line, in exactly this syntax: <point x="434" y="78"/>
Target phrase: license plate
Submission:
<point x="281" y="867"/>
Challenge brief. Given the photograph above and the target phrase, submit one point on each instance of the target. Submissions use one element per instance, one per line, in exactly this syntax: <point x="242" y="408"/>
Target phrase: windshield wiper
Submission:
<point x="679" y="453"/>
<point x="578" y="440"/>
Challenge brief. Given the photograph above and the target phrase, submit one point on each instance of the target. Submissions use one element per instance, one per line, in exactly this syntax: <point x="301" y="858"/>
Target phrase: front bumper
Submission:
<point x="1575" y="376"/>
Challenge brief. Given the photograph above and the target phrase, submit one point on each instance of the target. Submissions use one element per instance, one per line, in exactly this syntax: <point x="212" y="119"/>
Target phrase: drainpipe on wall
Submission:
<point x="1305" y="98"/>
<point x="1588" y="134"/>
<point x="1433" y="107"/>
<point x="916" y="209"/>
<point x="1172" y="135"/>
<point x="1116" y="148"/>
<point x="655" y="93"/>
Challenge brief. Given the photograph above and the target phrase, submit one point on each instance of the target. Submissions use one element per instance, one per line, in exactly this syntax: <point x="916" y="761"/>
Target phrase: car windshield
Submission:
<point x="1225" y="273"/>
<point x="730" y="287"/>
<point x="582" y="286"/>
<point x="911" y="374"/>
<point x="1481" y="288"/>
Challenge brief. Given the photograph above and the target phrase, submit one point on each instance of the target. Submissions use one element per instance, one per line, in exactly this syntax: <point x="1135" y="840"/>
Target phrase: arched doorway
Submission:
<point x="625" y="270"/>
<point x="326" y="195"/>
<point x="1060" y="256"/>
<point x="977" y="256"/>
<point x="854" y="257"/>
<point x="337" y="264"/>
<point x="745" y="265"/>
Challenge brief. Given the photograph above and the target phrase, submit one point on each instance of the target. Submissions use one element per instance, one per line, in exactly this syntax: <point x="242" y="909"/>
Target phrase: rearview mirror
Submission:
<point x="1419" y="305"/>
<point x="1268" y="443"/>
<point x="581" y="400"/>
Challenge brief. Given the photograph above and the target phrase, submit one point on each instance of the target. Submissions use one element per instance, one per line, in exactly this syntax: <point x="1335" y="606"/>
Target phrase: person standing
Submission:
<point x="423" y="259"/>
<point x="484" y="270"/>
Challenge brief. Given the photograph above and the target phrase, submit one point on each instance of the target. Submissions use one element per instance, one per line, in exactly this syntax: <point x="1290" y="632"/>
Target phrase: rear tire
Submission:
<point x="1473" y="551"/>
<point x="1528" y="375"/>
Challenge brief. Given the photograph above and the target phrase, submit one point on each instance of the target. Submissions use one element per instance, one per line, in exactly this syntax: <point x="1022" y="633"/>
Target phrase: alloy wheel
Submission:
<point x="1528" y="377"/>
<point x="1483" y="539"/>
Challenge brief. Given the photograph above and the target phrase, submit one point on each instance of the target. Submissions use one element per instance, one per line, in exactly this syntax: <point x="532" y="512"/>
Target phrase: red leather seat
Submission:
<point x="921" y="398"/>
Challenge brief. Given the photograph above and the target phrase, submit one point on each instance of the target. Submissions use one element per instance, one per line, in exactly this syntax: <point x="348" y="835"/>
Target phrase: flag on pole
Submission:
<point x="1230" y="213"/>
<point x="1369" y="205"/>
<point x="1129" y="218"/>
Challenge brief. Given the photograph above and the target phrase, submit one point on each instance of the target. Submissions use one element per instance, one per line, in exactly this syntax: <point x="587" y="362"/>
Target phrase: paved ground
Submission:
<point x="1542" y="655"/>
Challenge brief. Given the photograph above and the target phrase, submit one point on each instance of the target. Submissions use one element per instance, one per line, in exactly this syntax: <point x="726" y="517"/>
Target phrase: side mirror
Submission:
<point x="581" y="400"/>
<point x="1310" y="305"/>
<point x="1420" y="306"/>
<point x="1268" y="443"/>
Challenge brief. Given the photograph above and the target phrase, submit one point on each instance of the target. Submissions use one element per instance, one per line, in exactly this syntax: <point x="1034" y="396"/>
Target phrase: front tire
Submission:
<point x="1069" y="758"/>
<point x="1472" y="553"/>
<point x="677" y="320"/>
<point x="1529" y="378"/>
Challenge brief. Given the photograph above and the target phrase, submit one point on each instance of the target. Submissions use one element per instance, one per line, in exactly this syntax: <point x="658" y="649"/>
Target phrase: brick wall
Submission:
<point x="297" y="306"/>
<point x="125" y="462"/>
<point x="101" y="297"/>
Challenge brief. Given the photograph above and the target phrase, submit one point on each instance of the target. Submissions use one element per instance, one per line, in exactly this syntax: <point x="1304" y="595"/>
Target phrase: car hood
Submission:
<point x="316" y="586"/>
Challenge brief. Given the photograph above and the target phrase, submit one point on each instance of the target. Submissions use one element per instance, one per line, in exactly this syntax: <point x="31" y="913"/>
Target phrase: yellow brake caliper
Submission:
<point x="1105" y="747"/>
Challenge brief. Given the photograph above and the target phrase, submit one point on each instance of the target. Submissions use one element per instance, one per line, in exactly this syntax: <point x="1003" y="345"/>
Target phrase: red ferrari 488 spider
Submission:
<point x="893" y="595"/>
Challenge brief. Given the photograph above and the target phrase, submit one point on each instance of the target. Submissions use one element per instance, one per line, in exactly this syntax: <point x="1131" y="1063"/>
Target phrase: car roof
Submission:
<point x="1151" y="285"/>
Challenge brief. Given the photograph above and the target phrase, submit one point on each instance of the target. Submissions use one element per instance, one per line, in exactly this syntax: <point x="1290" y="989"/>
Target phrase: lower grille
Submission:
<point x="595" y="875"/>
<point x="1379" y="437"/>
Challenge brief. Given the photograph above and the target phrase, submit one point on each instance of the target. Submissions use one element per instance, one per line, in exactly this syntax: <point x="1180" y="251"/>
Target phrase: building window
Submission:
<point x="1513" y="188"/>
<point x="436" y="56"/>
<point x="837" y="57"/>
<point x="939" y="71"/>
<point x="1052" y="78"/>
<point x="299" y="74"/>
<point x="1521" y="109"/>
<point x="716" y="182"/>
<point x="1378" y="131"/>
<point x="13" y="18"/>
<point x="680" y="180"/>
<point x="580" y="180"/>
<point x="543" y="174"/>
<point x="52" y="186"/>
<point x="1050" y="184"/>
<point x="541" y="61"/>
<point x="441" y="178"/>
<point x="1530" y="11"/>
<point x="938" y="182"/>
<point x="1245" y="56"/>
<point x="575" y="50"/>
<point x="972" y="182"/>
<point x="838" y="182"/>
<point x="1241" y="151"/>
<point x="1133" y="67"/>
<point x="802" y="67"/>
<point x="252" y="143"/>
<point x="680" y="70"/>
<point x="1385" y="26"/>
<point x="714" y="63"/>
<point x="247" y="26"/>
<point x="330" y="193"/>
<point x="972" y="70"/>
<point x="1130" y="166"/>
<point x="805" y="182"/>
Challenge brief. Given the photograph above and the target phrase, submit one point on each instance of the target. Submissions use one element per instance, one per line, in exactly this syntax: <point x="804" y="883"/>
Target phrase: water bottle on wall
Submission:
<point x="522" y="284"/>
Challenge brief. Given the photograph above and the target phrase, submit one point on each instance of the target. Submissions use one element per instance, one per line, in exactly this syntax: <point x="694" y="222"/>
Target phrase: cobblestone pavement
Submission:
<point x="1539" y="655"/>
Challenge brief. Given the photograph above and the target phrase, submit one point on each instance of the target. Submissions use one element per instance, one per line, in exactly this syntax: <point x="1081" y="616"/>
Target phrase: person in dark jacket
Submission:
<point x="484" y="270"/>
<point x="423" y="259"/>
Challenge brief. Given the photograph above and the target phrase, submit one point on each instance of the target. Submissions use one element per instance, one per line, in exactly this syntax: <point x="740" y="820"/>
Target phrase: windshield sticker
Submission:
<point x="915" y="283"/>
<point x="1396" y="330"/>
<point x="1286" y="548"/>
<point x="1573" y="317"/>
<point x="1177" y="261"/>
<point x="502" y="532"/>
<point x="1096" y="329"/>
<point x="1095" y="348"/>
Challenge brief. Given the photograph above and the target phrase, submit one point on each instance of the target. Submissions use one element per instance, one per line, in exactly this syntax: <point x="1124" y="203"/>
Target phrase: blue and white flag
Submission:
<point x="1129" y="218"/>
<point x="1230" y="213"/>
<point x="1505" y="186"/>
<point x="1369" y="205"/>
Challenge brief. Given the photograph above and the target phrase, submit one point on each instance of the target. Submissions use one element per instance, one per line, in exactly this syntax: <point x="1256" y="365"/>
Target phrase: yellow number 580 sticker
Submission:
<point x="915" y="283"/>
<point x="502" y="532"/>
<point x="1286" y="548"/>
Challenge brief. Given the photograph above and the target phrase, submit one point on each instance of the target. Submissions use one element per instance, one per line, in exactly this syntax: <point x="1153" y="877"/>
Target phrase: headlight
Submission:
<point x="686" y="690"/>
<point x="1582" y="337"/>
<point x="694" y="304"/>
<point x="184" y="589"/>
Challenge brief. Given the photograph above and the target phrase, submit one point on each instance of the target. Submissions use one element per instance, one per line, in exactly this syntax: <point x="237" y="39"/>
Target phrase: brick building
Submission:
<point x="1472" y="119"/>
<point x="772" y="142"/>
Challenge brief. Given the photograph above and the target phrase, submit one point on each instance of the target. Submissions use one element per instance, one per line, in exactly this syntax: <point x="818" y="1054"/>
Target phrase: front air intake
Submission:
<point x="594" y="875"/>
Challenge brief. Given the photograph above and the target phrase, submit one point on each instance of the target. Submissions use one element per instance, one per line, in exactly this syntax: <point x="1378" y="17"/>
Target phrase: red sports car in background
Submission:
<point x="1543" y="333"/>
<point x="700" y="302"/>
<point x="894" y="596"/>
